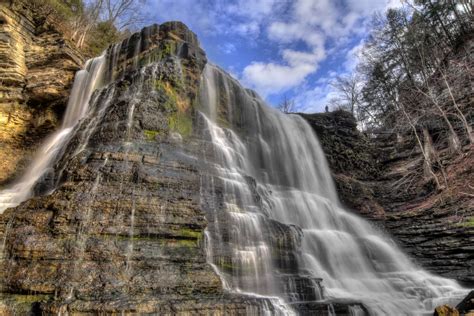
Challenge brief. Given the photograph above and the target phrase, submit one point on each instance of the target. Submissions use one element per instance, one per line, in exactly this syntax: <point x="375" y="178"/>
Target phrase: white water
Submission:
<point x="85" y="82"/>
<point x="292" y="185"/>
<point x="274" y="215"/>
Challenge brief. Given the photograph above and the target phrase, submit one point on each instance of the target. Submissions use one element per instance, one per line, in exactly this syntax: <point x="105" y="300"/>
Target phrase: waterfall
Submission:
<point x="276" y="227"/>
<point x="277" y="230"/>
<point x="85" y="82"/>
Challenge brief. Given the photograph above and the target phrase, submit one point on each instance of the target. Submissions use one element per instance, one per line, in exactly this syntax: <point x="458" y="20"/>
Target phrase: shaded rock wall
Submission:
<point x="352" y="159"/>
<point x="36" y="71"/>
<point x="379" y="179"/>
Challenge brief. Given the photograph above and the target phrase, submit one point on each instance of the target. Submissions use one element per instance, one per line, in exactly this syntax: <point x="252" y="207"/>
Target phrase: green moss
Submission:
<point x="181" y="123"/>
<point x="180" y="120"/>
<point x="188" y="243"/>
<point x="21" y="304"/>
<point x="166" y="89"/>
<point x="166" y="50"/>
<point x="469" y="223"/>
<point x="186" y="232"/>
<point x="150" y="135"/>
<point x="29" y="299"/>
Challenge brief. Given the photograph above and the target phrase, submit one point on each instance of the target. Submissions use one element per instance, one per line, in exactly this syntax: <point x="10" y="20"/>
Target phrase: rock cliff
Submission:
<point x="436" y="228"/>
<point x="124" y="230"/>
<point x="121" y="228"/>
<point x="36" y="71"/>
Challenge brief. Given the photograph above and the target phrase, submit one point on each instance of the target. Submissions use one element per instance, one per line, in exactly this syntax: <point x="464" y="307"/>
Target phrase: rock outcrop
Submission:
<point x="377" y="178"/>
<point x="36" y="72"/>
<point x="124" y="231"/>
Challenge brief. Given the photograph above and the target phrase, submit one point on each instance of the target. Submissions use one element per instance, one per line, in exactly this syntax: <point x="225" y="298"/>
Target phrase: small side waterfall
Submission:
<point x="276" y="226"/>
<point x="85" y="82"/>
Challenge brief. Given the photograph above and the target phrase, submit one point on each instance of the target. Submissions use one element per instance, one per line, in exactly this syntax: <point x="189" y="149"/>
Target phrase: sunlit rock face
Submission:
<point x="117" y="225"/>
<point x="36" y="74"/>
<point x="177" y="191"/>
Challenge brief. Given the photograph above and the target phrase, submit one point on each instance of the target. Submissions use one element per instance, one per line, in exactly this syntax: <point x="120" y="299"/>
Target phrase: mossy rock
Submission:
<point x="18" y="304"/>
<point x="190" y="233"/>
<point x="181" y="123"/>
<point x="151" y="135"/>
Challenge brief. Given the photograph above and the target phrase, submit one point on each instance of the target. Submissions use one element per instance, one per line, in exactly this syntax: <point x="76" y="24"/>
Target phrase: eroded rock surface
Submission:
<point x="124" y="231"/>
<point x="378" y="179"/>
<point x="37" y="70"/>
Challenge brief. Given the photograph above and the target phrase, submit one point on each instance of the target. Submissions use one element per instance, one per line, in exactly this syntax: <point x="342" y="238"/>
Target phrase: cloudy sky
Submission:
<point x="278" y="47"/>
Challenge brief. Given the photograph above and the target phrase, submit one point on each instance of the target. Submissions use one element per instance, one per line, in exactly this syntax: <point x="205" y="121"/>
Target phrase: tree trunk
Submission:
<point x="428" y="168"/>
<point x="469" y="132"/>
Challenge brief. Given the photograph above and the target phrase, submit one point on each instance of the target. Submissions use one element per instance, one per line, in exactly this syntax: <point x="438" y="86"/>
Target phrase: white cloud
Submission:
<point x="255" y="10"/>
<point x="315" y="98"/>
<point x="314" y="23"/>
<point x="246" y="18"/>
<point x="353" y="56"/>
<point x="249" y="29"/>
<point x="269" y="78"/>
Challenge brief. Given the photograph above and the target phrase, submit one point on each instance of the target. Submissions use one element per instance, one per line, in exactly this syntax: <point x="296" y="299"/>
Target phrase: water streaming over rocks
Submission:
<point x="172" y="181"/>
<point x="276" y="227"/>
<point x="85" y="82"/>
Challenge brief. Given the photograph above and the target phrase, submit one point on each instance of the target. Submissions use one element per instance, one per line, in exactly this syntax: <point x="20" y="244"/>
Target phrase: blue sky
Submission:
<point x="279" y="48"/>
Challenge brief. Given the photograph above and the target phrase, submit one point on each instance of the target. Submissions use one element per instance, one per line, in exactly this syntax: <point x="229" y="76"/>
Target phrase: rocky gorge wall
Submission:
<point x="36" y="73"/>
<point x="435" y="228"/>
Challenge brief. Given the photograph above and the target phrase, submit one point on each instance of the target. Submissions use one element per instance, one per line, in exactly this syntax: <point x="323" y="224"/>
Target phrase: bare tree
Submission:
<point x="123" y="13"/>
<point x="287" y="105"/>
<point x="85" y="21"/>
<point x="459" y="113"/>
<point x="349" y="91"/>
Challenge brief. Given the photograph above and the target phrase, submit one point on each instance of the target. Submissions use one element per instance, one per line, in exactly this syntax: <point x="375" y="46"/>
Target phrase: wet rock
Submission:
<point x="376" y="177"/>
<point x="37" y="72"/>
<point x="446" y="310"/>
<point x="467" y="304"/>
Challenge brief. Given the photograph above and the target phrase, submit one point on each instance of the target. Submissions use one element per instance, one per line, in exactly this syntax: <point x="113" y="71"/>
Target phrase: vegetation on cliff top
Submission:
<point x="91" y="24"/>
<point x="415" y="80"/>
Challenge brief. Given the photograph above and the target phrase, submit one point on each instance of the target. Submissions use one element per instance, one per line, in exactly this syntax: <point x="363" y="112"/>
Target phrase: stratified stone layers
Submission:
<point x="36" y="73"/>
<point x="124" y="231"/>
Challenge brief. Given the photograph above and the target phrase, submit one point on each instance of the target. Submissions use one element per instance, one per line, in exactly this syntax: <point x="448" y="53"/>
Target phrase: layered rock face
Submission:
<point x="37" y="69"/>
<point x="371" y="177"/>
<point x="124" y="231"/>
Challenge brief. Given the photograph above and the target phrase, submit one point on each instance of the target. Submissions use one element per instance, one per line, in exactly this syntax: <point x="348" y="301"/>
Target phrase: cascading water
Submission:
<point x="276" y="226"/>
<point x="85" y="82"/>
